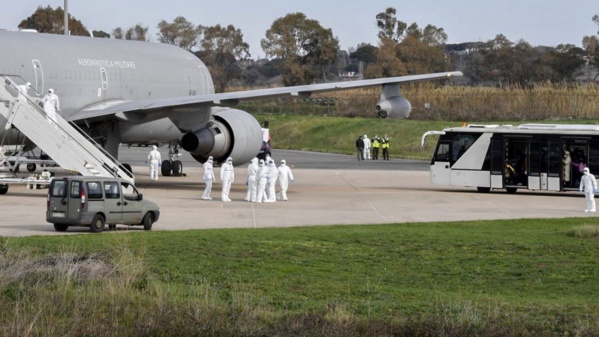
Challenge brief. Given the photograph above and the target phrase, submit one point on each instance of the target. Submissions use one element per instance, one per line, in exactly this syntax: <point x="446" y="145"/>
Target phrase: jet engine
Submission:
<point x="395" y="107"/>
<point x="233" y="133"/>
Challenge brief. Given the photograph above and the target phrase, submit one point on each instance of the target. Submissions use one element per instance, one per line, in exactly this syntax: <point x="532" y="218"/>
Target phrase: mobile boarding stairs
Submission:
<point x="69" y="148"/>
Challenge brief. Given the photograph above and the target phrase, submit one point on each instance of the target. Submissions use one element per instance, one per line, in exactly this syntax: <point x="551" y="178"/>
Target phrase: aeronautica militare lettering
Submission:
<point x="106" y="63"/>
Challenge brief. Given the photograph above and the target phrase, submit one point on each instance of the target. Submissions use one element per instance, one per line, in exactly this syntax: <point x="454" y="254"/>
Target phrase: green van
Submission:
<point x="97" y="201"/>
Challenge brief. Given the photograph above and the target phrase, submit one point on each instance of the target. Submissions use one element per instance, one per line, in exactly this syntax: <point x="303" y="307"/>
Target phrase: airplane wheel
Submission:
<point x="3" y="188"/>
<point x="383" y="114"/>
<point x="166" y="168"/>
<point x="128" y="169"/>
<point x="31" y="167"/>
<point x="177" y="168"/>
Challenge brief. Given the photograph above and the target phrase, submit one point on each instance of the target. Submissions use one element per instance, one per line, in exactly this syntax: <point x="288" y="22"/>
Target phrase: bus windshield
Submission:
<point x="451" y="146"/>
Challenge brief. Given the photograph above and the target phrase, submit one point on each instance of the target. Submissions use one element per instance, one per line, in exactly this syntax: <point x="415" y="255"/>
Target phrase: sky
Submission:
<point x="539" y="22"/>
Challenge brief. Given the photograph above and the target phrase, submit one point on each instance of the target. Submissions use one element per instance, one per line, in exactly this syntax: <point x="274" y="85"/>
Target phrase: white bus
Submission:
<point x="547" y="157"/>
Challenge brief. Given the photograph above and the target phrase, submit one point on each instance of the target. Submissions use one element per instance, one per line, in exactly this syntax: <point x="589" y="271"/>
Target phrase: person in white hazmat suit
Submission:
<point x="155" y="161"/>
<point x="51" y="105"/>
<point x="24" y="88"/>
<point x="251" y="180"/>
<point x="261" y="181"/>
<point x="367" y="147"/>
<point x="227" y="176"/>
<point x="285" y="175"/>
<point x="588" y="185"/>
<point x="208" y="178"/>
<point x="271" y="181"/>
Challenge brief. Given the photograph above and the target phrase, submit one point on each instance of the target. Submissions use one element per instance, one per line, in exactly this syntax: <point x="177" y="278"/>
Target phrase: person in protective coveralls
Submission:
<point x="284" y="176"/>
<point x="271" y="181"/>
<point x="588" y="184"/>
<point x="51" y="105"/>
<point x="208" y="178"/>
<point x="155" y="161"/>
<point x="251" y="181"/>
<point x="261" y="179"/>
<point x="227" y="176"/>
<point x="367" y="146"/>
<point x="24" y="88"/>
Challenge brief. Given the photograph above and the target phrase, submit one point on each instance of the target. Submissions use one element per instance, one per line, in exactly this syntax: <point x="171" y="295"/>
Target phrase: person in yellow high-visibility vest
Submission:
<point x="385" y="146"/>
<point x="376" y="144"/>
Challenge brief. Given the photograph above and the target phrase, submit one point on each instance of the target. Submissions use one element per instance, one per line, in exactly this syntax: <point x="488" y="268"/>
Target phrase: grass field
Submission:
<point x="523" y="277"/>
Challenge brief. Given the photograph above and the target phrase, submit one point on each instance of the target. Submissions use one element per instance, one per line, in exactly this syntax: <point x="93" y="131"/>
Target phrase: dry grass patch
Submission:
<point x="585" y="232"/>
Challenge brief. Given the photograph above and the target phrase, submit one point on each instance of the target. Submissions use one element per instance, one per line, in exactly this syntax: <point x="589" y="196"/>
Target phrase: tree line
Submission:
<point x="301" y="51"/>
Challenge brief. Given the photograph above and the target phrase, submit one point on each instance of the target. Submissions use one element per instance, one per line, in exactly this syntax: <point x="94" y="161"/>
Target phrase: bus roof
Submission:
<point x="528" y="128"/>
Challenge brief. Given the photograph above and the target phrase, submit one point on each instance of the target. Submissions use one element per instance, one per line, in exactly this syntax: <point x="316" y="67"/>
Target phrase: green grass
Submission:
<point x="527" y="270"/>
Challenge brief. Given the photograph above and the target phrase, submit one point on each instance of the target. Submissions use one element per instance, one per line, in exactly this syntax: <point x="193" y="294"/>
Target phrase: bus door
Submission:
<point x="578" y="156"/>
<point x="546" y="164"/>
<point x="516" y="162"/>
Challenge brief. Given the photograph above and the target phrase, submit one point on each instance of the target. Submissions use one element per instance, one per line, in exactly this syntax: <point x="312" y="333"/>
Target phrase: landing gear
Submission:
<point x="172" y="167"/>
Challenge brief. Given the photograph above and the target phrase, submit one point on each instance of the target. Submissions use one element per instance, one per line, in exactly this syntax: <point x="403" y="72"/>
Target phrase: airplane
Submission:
<point x="131" y="92"/>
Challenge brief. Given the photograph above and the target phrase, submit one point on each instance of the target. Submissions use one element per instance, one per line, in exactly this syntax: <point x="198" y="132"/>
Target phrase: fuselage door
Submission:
<point x="104" y="77"/>
<point x="39" y="76"/>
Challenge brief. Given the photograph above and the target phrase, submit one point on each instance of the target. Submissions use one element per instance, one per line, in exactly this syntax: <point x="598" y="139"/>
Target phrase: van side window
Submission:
<point x="59" y="188"/>
<point x="75" y="189"/>
<point x="129" y="192"/>
<point x="94" y="189"/>
<point x="111" y="190"/>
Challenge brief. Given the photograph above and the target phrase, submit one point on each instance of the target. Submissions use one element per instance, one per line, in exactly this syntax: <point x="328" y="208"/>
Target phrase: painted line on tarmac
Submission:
<point x="363" y="196"/>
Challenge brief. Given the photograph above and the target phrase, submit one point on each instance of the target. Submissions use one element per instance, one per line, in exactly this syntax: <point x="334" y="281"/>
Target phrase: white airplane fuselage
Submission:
<point x="90" y="72"/>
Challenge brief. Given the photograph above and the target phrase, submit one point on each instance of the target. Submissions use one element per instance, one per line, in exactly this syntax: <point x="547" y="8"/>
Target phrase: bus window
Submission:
<point x="442" y="152"/>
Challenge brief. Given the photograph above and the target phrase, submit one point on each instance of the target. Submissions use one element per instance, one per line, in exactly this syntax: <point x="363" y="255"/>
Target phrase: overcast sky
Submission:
<point x="539" y="22"/>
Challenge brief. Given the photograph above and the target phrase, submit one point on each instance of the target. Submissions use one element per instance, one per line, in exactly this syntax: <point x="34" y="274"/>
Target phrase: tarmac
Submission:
<point x="329" y="196"/>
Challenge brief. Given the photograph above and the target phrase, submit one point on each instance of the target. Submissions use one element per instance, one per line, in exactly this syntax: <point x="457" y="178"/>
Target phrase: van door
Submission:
<point x="132" y="204"/>
<point x="113" y="202"/>
<point x="74" y="211"/>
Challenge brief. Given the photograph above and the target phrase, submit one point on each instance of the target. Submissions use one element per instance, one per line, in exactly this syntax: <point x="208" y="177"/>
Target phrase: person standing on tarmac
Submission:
<point x="588" y="184"/>
<point x="271" y="181"/>
<point x="208" y="178"/>
<point x="261" y="179"/>
<point x="376" y="144"/>
<point x="155" y="161"/>
<point x="385" y="146"/>
<point x="284" y="176"/>
<point x="367" y="146"/>
<point x="251" y="180"/>
<point x="360" y="148"/>
<point x="227" y="176"/>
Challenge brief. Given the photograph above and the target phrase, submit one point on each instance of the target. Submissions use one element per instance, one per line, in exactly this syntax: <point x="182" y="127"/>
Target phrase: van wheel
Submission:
<point x="98" y="223"/>
<point x="3" y="188"/>
<point x="60" y="227"/>
<point x="148" y="221"/>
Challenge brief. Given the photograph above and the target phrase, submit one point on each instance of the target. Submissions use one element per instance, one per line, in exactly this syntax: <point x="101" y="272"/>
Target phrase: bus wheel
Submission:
<point x="511" y="190"/>
<point x="3" y="188"/>
<point x="484" y="189"/>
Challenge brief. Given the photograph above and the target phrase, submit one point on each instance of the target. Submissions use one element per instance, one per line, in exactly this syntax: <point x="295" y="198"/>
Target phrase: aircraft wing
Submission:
<point x="119" y="108"/>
